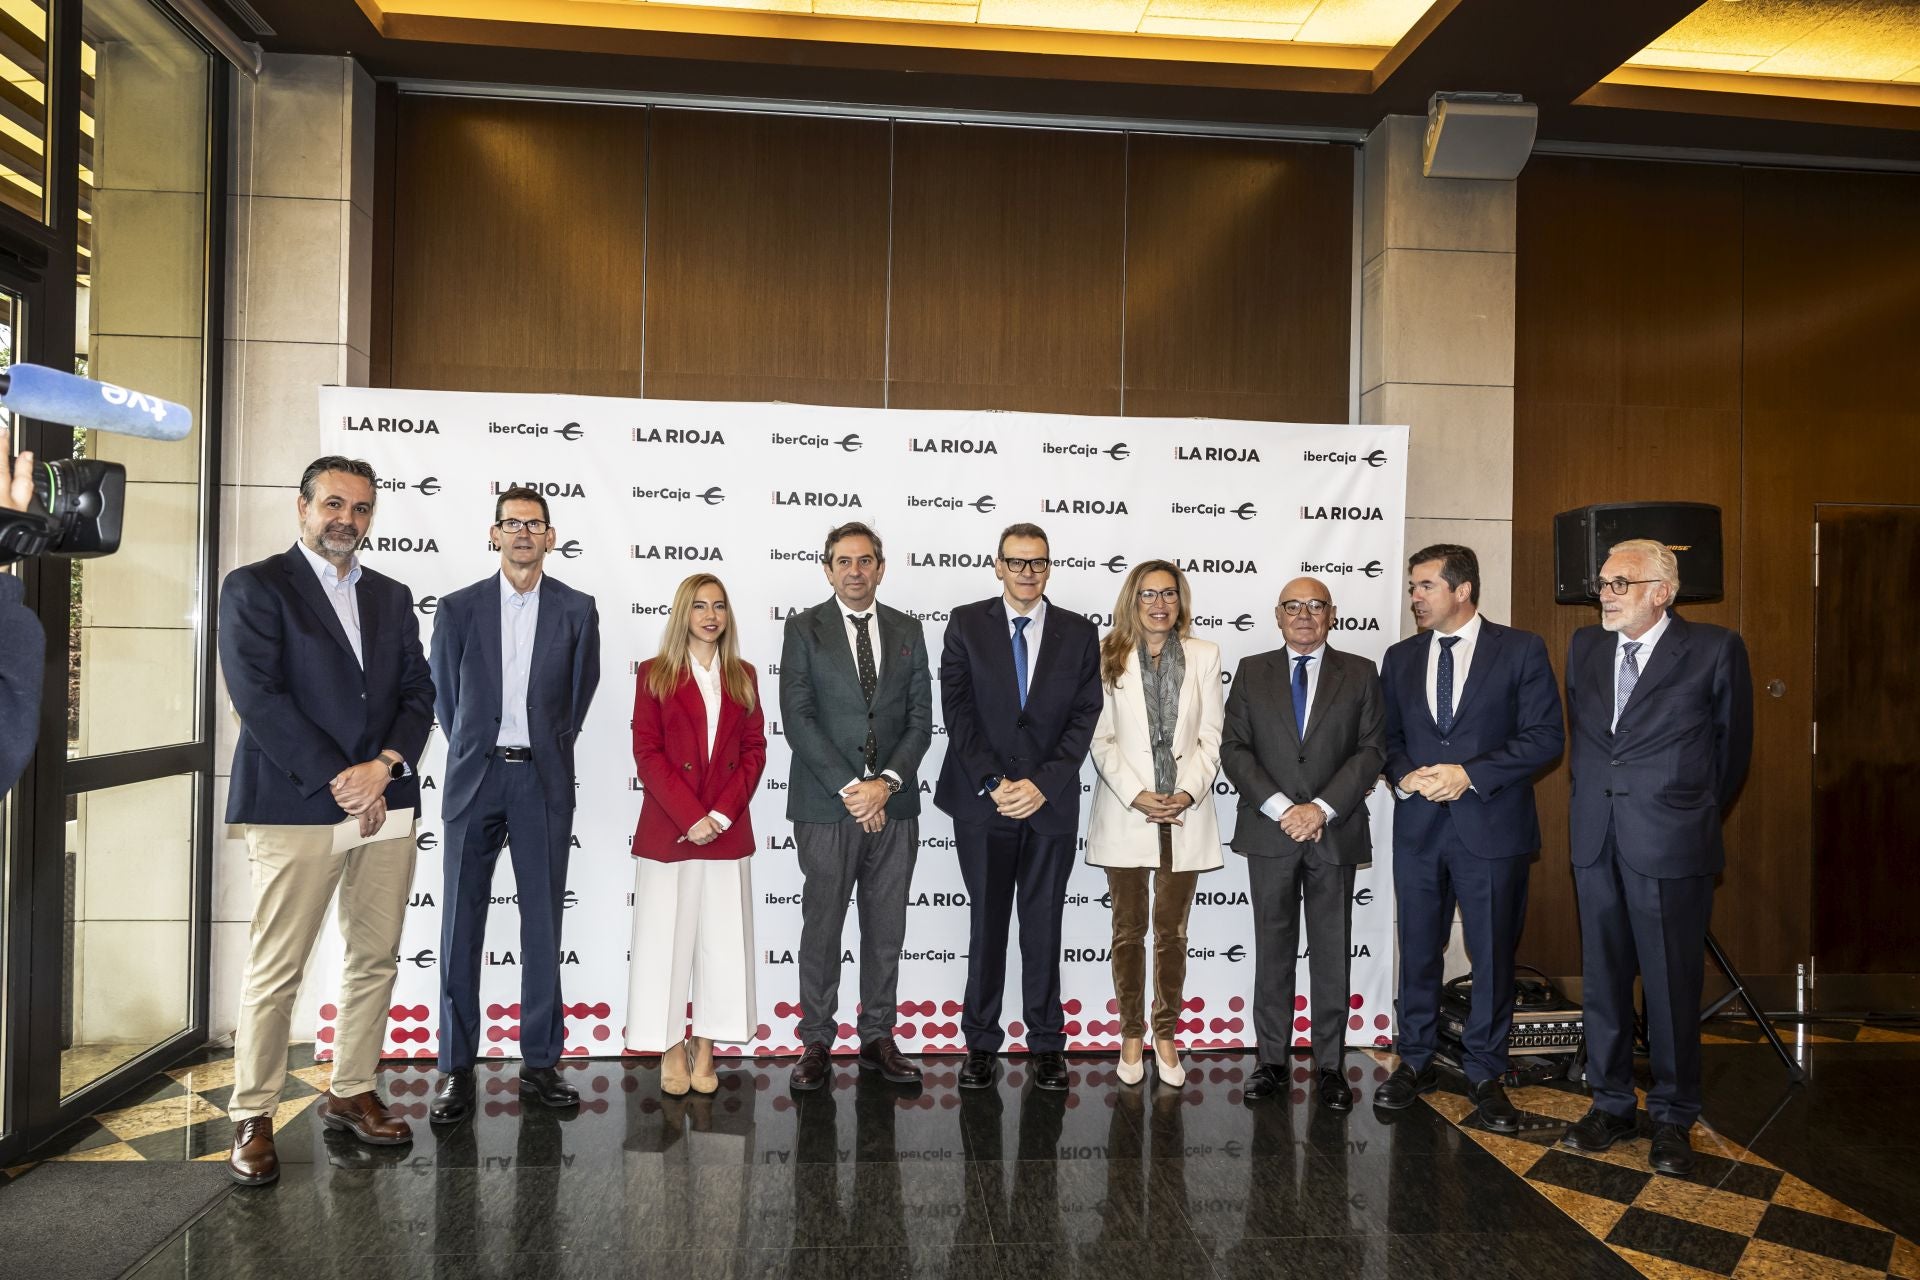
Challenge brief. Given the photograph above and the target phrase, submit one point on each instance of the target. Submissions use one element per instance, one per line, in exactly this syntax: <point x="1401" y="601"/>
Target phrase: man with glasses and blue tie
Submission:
<point x="1305" y="739"/>
<point x="1020" y="689"/>
<point x="1660" y="714"/>
<point x="1472" y="716"/>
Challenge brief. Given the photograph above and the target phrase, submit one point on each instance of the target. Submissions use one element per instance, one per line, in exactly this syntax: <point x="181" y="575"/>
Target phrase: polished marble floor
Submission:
<point x="867" y="1179"/>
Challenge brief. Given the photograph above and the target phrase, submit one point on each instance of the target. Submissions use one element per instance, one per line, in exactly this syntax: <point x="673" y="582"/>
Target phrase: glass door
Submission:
<point x="11" y="314"/>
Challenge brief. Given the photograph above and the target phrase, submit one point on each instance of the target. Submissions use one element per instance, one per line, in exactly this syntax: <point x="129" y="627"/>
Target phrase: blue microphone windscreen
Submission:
<point x="35" y="391"/>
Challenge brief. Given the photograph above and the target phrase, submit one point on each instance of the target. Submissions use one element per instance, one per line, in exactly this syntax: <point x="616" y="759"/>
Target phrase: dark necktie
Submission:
<point x="869" y="680"/>
<point x="1020" y="655"/>
<point x="1300" y="694"/>
<point x="1443" y="686"/>
<point x="1629" y="676"/>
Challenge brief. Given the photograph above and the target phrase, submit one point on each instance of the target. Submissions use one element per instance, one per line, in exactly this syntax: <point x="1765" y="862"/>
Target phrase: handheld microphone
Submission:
<point x="35" y="391"/>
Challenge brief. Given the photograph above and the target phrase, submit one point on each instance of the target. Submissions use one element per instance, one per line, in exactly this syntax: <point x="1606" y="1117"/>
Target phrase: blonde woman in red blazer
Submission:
<point x="699" y="744"/>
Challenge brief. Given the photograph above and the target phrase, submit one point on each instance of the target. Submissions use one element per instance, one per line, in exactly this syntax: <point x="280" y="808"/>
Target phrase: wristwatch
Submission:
<point x="893" y="784"/>
<point x="396" y="767"/>
<point x="992" y="783"/>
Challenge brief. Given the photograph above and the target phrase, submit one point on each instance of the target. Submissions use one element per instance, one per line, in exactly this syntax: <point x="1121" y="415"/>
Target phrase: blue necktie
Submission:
<point x="1300" y="694"/>
<point x="1629" y="677"/>
<point x="1443" y="686"/>
<point x="1020" y="655"/>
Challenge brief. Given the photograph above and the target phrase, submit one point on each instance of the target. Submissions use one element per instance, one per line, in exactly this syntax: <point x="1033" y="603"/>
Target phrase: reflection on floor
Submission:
<point x="82" y="1064"/>
<point x="867" y="1179"/>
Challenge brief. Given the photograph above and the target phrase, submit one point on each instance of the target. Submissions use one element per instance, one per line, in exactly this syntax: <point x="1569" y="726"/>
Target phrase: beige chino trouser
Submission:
<point x="295" y="873"/>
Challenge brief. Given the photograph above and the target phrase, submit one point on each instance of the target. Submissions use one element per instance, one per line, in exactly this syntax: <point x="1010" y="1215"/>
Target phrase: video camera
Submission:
<point x="78" y="503"/>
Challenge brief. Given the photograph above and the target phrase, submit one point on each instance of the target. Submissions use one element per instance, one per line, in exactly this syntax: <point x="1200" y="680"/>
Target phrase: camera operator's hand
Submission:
<point x="16" y="491"/>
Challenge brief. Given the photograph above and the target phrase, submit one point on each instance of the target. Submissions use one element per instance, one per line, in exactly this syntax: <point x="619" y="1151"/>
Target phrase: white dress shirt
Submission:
<point x="1649" y="638"/>
<point x="342" y="593"/>
<point x="519" y="623"/>
<point x="853" y="643"/>
<point x="1469" y="637"/>
<point x="707" y="680"/>
<point x="1036" y="623"/>
<point x="1277" y="803"/>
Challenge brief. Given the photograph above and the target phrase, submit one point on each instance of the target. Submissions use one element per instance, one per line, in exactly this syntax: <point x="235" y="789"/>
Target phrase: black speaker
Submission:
<point x="1581" y="538"/>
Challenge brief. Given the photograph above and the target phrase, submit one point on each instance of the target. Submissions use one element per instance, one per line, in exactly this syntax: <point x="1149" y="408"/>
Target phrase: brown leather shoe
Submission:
<point x="253" y="1162"/>
<point x="812" y="1070"/>
<point x="365" y="1117"/>
<point x="883" y="1055"/>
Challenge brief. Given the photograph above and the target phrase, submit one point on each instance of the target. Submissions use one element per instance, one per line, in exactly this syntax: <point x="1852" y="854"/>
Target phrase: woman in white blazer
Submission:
<point x="1157" y="749"/>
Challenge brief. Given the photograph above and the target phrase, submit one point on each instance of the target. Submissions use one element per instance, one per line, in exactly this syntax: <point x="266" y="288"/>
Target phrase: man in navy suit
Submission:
<point x="1020" y="689"/>
<point x="323" y="663"/>
<point x="516" y="658"/>
<point x="1472" y="716"/>
<point x="1661" y="712"/>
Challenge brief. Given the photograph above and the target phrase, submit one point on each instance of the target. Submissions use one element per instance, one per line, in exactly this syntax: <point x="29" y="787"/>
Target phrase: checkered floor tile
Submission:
<point x="1737" y="1215"/>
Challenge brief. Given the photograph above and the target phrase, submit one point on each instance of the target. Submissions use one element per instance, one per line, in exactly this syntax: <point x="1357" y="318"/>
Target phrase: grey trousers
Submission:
<point x="1278" y="888"/>
<point x="840" y="861"/>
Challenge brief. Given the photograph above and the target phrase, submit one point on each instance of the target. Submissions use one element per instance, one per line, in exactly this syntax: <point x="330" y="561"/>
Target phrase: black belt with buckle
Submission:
<point x="513" y="755"/>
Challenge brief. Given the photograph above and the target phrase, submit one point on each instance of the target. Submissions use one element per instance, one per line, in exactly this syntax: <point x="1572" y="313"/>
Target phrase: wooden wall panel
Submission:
<point x="1007" y="268"/>
<point x="517" y="246"/>
<point x="1743" y="337"/>
<point x="1832" y="394"/>
<point x="767" y="258"/>
<point x="1627" y="388"/>
<point x="1239" y="278"/>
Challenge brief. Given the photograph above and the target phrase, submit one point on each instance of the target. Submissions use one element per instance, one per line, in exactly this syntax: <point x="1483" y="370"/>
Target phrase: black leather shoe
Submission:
<point x="1495" y="1109"/>
<point x="884" y="1056"/>
<point x="545" y="1084"/>
<point x="1672" y="1151"/>
<point x="453" y="1100"/>
<point x="1050" y="1070"/>
<point x="812" y="1070"/>
<point x="1403" y="1088"/>
<point x="1266" y="1081"/>
<point x="979" y="1071"/>
<point x="1597" y="1130"/>
<point x="1333" y="1091"/>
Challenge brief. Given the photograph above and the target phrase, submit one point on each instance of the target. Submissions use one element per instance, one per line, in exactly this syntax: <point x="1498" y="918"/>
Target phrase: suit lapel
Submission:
<point x="729" y="713"/>
<point x="488" y="625"/>
<point x="307" y="587"/>
<point x="998" y="645"/>
<point x="695" y="707"/>
<point x="1661" y="664"/>
<point x="546" y="635"/>
<point x="1285" y="675"/>
<point x="1323" y="691"/>
<point x="1600" y="677"/>
<point x="890" y="639"/>
<point x="830" y="634"/>
<point x="1486" y="652"/>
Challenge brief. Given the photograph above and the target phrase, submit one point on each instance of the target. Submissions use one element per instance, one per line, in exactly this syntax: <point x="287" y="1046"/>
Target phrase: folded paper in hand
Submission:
<point x="346" y="835"/>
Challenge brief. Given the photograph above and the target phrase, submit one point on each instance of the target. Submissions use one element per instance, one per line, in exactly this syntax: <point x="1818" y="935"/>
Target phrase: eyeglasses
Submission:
<point x="1032" y="564"/>
<point x="1292" y="608"/>
<point x="1169" y="595"/>
<point x="1596" y="586"/>
<point x="510" y="525"/>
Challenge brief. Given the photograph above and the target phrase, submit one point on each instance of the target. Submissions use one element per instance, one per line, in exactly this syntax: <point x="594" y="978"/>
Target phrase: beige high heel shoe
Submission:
<point x="1132" y="1072"/>
<point x="1166" y="1063"/>
<point x="707" y="1081"/>
<point x="673" y="1069"/>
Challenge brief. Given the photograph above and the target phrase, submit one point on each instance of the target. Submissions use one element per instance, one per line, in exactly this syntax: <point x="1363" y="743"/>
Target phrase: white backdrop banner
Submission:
<point x="644" y="492"/>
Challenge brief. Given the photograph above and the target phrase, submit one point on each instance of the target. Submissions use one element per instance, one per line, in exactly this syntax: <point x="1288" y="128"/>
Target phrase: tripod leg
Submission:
<point x="1794" y="1070"/>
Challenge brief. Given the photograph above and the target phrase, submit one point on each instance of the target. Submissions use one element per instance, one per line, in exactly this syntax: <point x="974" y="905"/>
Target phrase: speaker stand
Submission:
<point x="1795" y="1072"/>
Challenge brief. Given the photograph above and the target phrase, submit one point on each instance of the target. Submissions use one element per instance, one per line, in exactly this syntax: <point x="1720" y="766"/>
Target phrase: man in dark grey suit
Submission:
<point x="856" y="696"/>
<point x="1304" y="742"/>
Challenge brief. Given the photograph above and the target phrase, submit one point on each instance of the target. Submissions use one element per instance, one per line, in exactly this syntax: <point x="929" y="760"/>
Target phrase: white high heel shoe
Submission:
<point x="1131" y="1072"/>
<point x="1172" y="1076"/>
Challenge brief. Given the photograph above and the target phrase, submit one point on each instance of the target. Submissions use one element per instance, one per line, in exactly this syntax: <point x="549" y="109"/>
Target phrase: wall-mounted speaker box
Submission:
<point x="1582" y="536"/>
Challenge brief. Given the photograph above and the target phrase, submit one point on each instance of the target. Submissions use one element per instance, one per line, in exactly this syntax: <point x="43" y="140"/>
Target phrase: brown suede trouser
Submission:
<point x="1172" y="900"/>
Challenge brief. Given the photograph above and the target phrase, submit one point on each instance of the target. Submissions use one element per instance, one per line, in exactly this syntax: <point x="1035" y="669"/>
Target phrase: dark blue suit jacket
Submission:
<point x="466" y="683"/>
<point x="988" y="732"/>
<point x="1506" y="729"/>
<point x="307" y="709"/>
<point x="1676" y="762"/>
<point x="23" y="656"/>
